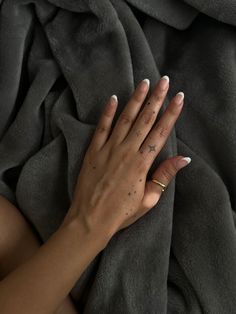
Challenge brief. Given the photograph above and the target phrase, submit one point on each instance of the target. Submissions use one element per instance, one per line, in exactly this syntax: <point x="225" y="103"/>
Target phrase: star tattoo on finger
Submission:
<point x="152" y="148"/>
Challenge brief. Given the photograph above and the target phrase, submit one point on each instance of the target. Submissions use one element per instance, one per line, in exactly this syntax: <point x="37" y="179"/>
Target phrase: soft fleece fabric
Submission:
<point x="60" y="60"/>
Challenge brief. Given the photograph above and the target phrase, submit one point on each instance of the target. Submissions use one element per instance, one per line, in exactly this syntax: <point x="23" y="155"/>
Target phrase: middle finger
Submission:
<point x="148" y="115"/>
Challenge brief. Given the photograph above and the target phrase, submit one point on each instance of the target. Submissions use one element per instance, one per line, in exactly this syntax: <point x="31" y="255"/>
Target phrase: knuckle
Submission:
<point x="172" y="109"/>
<point x="148" y="116"/>
<point x="125" y="154"/>
<point x="174" y="167"/>
<point x="168" y="172"/>
<point x="108" y="112"/>
<point x="158" y="96"/>
<point x="125" y="118"/>
<point x="137" y="96"/>
<point x="161" y="130"/>
<point x="101" y="128"/>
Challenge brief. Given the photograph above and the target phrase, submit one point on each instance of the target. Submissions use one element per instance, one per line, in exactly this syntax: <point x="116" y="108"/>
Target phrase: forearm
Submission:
<point x="18" y="243"/>
<point x="9" y="264"/>
<point x="41" y="283"/>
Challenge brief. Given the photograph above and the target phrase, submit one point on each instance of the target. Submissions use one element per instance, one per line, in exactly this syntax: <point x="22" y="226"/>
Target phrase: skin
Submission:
<point x="111" y="193"/>
<point x="104" y="196"/>
<point x="19" y="242"/>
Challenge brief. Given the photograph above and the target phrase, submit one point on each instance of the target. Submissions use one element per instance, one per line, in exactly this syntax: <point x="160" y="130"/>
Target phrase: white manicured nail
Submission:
<point x="147" y="81"/>
<point x="114" y="97"/>
<point x="184" y="161"/>
<point x="144" y="86"/>
<point x="188" y="159"/>
<point x="179" y="97"/>
<point x="164" y="82"/>
<point x="166" y="77"/>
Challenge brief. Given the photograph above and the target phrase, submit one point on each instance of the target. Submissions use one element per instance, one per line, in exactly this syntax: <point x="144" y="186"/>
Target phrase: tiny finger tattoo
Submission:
<point x="152" y="148"/>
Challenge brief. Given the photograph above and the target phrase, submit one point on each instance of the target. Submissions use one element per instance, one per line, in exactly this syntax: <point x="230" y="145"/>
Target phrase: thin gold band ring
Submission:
<point x="162" y="185"/>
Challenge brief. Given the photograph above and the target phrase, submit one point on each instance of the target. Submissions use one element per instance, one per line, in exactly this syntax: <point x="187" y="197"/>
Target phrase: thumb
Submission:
<point x="164" y="174"/>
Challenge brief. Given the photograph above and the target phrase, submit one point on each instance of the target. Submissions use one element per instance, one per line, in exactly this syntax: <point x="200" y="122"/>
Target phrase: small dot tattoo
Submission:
<point x="152" y="148"/>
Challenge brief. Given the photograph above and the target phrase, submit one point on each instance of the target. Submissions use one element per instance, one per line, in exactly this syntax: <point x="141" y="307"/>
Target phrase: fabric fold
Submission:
<point x="60" y="61"/>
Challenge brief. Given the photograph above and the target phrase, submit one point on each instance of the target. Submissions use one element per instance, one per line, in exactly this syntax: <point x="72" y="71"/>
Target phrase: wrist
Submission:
<point x="77" y="226"/>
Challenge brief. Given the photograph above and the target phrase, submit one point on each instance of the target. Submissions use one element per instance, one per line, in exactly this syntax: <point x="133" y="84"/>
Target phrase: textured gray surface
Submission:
<point x="59" y="63"/>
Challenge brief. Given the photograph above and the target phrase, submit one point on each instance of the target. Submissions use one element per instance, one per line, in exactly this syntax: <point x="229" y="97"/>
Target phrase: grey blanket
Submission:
<point x="60" y="60"/>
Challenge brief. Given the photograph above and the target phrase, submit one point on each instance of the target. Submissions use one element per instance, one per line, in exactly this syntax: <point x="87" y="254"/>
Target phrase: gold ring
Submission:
<point x="162" y="185"/>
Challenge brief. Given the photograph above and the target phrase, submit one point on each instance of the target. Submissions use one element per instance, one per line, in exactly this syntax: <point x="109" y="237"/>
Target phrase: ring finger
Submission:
<point x="160" y="132"/>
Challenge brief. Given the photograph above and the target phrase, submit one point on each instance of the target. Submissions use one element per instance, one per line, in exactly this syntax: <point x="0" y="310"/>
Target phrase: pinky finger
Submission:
<point x="104" y="125"/>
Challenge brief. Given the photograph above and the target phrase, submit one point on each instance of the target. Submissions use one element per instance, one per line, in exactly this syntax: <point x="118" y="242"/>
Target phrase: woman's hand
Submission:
<point x="111" y="191"/>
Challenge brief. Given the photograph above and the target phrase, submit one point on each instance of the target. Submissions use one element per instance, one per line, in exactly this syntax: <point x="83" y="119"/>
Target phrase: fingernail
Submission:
<point x="179" y="98"/>
<point x="145" y="84"/>
<point x="184" y="161"/>
<point x="164" y="81"/>
<point x="114" y="97"/>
